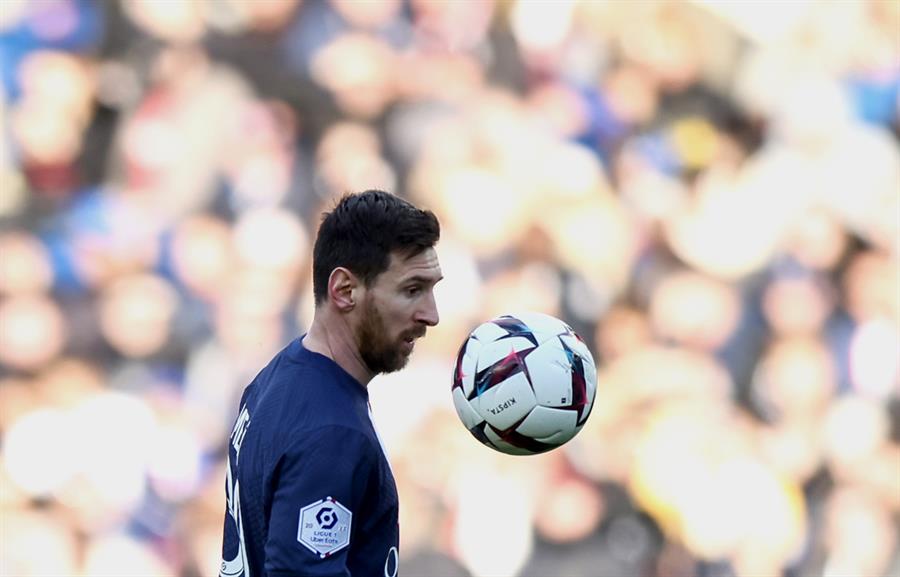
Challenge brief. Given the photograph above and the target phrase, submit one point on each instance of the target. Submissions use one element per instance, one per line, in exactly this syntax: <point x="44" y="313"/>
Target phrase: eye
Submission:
<point x="413" y="291"/>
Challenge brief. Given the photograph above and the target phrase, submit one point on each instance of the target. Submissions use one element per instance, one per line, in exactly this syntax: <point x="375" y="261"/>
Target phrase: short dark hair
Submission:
<point x="362" y="231"/>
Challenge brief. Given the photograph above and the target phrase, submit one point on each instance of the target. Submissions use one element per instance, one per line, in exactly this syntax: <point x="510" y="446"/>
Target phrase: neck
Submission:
<point x="334" y="338"/>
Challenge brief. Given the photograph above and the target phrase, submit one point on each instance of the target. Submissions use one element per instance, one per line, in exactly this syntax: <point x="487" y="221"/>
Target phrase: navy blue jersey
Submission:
<point x="309" y="490"/>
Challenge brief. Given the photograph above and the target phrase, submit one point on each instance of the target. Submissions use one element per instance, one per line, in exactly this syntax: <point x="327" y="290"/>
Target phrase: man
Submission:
<point x="309" y="489"/>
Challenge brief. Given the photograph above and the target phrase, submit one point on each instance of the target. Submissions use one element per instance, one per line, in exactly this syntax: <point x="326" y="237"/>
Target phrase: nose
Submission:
<point x="428" y="314"/>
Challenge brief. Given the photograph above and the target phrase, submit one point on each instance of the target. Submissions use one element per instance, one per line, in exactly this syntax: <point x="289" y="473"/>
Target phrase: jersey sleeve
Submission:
<point x="319" y="489"/>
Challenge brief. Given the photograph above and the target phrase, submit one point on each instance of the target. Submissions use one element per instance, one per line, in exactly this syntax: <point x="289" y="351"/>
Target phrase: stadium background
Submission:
<point x="709" y="192"/>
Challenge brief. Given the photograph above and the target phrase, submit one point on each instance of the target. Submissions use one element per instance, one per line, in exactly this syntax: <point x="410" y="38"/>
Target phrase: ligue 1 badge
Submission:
<point x="325" y="527"/>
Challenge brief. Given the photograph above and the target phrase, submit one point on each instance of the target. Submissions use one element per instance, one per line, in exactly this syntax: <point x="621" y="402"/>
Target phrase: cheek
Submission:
<point x="395" y="316"/>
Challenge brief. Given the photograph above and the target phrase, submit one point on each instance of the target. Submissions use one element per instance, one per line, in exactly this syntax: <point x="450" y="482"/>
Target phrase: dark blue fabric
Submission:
<point x="303" y="434"/>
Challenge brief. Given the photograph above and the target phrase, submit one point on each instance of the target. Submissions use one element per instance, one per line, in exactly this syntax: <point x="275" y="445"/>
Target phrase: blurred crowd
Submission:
<point x="709" y="192"/>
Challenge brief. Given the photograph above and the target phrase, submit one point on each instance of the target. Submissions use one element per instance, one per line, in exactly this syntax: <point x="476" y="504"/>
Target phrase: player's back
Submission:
<point x="302" y="422"/>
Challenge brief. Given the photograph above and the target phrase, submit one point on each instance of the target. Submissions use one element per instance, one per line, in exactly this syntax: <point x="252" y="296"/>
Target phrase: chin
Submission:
<point x="397" y="363"/>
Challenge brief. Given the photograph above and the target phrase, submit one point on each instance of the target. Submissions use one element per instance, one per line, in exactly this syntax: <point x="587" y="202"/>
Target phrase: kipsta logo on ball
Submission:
<point x="524" y="383"/>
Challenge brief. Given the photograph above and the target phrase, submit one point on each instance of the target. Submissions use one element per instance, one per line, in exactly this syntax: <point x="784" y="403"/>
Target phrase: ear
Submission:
<point x="342" y="289"/>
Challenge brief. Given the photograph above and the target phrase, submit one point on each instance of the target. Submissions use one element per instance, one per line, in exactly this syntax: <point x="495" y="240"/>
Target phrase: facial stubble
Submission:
<point x="377" y="351"/>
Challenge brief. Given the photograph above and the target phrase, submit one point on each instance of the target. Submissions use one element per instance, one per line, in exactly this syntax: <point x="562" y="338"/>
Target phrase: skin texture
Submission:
<point x="371" y="330"/>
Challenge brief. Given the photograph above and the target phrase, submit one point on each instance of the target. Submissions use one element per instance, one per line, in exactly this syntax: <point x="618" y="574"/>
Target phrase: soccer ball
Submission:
<point x="524" y="383"/>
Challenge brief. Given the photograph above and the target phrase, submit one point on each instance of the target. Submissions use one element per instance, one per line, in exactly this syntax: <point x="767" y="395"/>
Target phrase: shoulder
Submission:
<point x="298" y="397"/>
<point x="342" y="438"/>
<point x="334" y="447"/>
<point x="292" y="378"/>
<point x="295" y="364"/>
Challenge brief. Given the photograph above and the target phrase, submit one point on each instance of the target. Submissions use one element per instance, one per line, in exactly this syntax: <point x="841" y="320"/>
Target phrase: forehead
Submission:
<point x="423" y="266"/>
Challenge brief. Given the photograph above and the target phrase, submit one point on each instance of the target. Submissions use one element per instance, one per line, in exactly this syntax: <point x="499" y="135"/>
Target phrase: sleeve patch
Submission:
<point x="324" y="527"/>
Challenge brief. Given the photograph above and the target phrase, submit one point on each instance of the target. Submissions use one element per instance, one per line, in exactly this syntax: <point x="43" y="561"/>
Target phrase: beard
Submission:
<point x="379" y="353"/>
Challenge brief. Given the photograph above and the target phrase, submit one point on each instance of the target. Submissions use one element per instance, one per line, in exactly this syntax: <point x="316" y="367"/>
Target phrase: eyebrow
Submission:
<point x="422" y="279"/>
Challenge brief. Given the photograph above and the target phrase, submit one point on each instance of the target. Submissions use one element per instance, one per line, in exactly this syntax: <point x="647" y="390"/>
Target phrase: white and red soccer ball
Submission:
<point x="524" y="383"/>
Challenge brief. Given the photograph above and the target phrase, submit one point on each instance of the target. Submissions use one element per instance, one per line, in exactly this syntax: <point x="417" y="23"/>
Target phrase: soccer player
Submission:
<point x="309" y="489"/>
